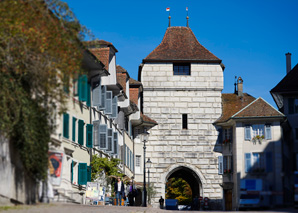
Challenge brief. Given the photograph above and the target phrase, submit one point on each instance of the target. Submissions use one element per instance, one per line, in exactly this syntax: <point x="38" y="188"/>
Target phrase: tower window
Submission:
<point x="184" y="121"/>
<point x="181" y="68"/>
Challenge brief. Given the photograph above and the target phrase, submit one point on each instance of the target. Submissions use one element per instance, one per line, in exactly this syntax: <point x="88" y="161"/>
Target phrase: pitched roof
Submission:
<point x="288" y="83"/>
<point x="121" y="76"/>
<point x="134" y="82"/>
<point x="258" y="108"/>
<point x="234" y="106"/>
<point x="146" y="119"/>
<point x="232" y="103"/>
<point x="180" y="44"/>
<point x="102" y="54"/>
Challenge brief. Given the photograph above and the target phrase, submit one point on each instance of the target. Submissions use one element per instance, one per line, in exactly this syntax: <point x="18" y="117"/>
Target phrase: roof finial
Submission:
<point x="168" y="9"/>
<point x="187" y="17"/>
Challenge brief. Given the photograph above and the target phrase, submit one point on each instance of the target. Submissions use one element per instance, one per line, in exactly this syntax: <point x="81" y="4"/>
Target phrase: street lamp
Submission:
<point x="145" y="139"/>
<point x="148" y="166"/>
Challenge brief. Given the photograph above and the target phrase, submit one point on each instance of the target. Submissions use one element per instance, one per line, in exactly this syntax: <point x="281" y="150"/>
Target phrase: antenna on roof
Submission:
<point x="187" y="17"/>
<point x="168" y="9"/>
<point x="235" y="84"/>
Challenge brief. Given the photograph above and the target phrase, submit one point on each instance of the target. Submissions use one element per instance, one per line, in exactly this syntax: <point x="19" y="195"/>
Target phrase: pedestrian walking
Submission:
<point x="131" y="190"/>
<point x="119" y="191"/>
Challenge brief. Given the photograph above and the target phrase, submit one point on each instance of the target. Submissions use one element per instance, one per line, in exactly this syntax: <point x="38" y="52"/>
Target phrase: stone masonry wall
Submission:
<point x="166" y="98"/>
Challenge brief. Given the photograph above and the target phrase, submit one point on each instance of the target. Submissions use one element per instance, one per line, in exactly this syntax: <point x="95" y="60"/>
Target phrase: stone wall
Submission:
<point x="166" y="97"/>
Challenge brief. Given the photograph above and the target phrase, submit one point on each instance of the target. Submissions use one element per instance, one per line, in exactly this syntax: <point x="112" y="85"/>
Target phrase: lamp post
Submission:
<point x="148" y="166"/>
<point x="145" y="138"/>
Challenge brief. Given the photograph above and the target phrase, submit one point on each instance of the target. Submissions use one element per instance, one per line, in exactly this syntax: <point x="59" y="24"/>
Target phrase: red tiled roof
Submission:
<point x="102" y="54"/>
<point x="234" y="106"/>
<point x="178" y="44"/>
<point x="289" y="83"/>
<point x="134" y="95"/>
<point x="258" y="108"/>
<point x="146" y="119"/>
<point x="121" y="76"/>
<point x="232" y="103"/>
<point x="134" y="82"/>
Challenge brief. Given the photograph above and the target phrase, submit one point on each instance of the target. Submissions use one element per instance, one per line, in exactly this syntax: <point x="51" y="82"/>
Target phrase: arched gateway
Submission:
<point x="190" y="174"/>
<point x="182" y="84"/>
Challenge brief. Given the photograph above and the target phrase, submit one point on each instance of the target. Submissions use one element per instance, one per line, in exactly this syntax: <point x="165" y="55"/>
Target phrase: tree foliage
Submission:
<point x="177" y="188"/>
<point x="109" y="166"/>
<point x="40" y="51"/>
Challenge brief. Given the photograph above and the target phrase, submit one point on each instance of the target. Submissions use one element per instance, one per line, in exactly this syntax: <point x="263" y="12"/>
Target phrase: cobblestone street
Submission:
<point x="74" y="208"/>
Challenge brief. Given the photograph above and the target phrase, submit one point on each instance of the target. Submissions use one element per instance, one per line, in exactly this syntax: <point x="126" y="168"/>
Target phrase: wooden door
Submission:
<point x="228" y="200"/>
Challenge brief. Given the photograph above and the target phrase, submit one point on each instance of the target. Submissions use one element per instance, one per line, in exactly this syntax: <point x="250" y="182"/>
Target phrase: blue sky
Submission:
<point x="250" y="37"/>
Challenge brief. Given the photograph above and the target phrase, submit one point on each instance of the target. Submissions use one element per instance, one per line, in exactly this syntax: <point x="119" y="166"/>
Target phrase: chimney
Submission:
<point x="288" y="62"/>
<point x="240" y="87"/>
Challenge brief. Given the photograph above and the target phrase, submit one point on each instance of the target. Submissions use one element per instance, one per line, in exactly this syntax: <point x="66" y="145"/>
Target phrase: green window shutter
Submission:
<point x="74" y="120"/>
<point x="71" y="172"/>
<point x="89" y="135"/>
<point x="88" y="103"/>
<point x="81" y="132"/>
<point x="83" y="86"/>
<point x="65" y="125"/>
<point x="88" y="173"/>
<point x="82" y="175"/>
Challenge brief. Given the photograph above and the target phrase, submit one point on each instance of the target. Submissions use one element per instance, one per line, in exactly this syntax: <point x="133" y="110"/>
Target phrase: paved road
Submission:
<point x="74" y="208"/>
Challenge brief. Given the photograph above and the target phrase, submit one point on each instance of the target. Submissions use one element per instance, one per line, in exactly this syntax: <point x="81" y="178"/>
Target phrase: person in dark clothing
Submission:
<point x="119" y="191"/>
<point x="196" y="203"/>
<point x="131" y="193"/>
<point x="161" y="202"/>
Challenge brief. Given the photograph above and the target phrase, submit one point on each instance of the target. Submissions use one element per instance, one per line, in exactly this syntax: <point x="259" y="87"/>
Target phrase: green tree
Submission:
<point x="177" y="188"/>
<point x="109" y="166"/>
<point x="40" y="51"/>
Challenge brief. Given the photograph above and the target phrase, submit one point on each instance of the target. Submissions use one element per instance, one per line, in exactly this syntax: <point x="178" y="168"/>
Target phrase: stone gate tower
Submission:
<point x="182" y="84"/>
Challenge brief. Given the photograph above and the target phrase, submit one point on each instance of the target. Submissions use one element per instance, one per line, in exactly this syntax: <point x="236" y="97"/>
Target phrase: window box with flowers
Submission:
<point x="258" y="138"/>
<point x="226" y="141"/>
<point x="228" y="173"/>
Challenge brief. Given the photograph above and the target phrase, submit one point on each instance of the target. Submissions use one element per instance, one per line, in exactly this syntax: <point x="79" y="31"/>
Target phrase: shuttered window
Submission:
<point x="82" y="174"/>
<point x="109" y="97"/>
<point x="83" y="87"/>
<point x="103" y="98"/>
<point x="74" y="120"/>
<point x="103" y="136"/>
<point x="268" y="132"/>
<point x="114" y="107"/>
<point x="247" y="134"/>
<point x="96" y="133"/>
<point x="81" y="132"/>
<point x="89" y="135"/>
<point x="247" y="162"/>
<point x="65" y="125"/>
<point x="96" y="95"/>
<point x="115" y="144"/>
<point x="110" y="140"/>
<point x="220" y="165"/>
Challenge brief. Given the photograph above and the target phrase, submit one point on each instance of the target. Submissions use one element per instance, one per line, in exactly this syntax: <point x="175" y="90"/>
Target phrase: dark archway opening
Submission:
<point x="183" y="182"/>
